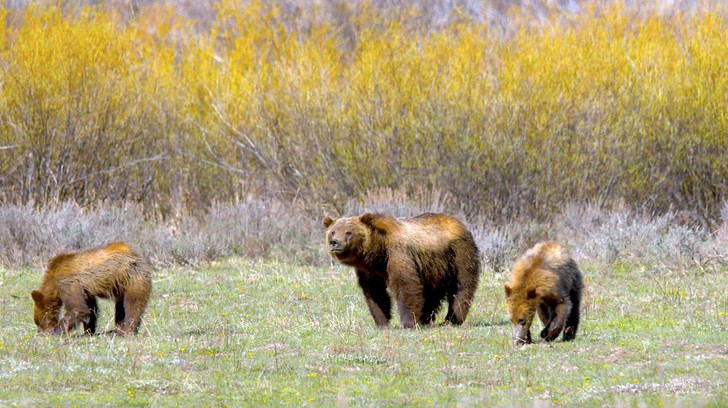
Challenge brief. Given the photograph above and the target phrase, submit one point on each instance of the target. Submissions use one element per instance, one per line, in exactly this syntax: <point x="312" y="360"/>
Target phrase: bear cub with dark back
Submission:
<point x="416" y="261"/>
<point x="74" y="280"/>
<point x="545" y="281"/>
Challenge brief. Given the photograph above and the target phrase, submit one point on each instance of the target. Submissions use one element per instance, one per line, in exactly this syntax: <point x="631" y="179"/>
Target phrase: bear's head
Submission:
<point x="521" y="303"/>
<point x="45" y="311"/>
<point x="348" y="239"/>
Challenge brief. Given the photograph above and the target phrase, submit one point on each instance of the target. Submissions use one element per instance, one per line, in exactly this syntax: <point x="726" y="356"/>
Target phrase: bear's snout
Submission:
<point x="521" y="334"/>
<point x="334" y="244"/>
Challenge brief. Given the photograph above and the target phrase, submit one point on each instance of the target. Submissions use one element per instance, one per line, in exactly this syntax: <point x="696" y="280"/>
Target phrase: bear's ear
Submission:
<point x="531" y="293"/>
<point x="378" y="222"/>
<point x="508" y="290"/>
<point x="37" y="296"/>
<point x="366" y="218"/>
<point x="328" y="221"/>
<point x="375" y="222"/>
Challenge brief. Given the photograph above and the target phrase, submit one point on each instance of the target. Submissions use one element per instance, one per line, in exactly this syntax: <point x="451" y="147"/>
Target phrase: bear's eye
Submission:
<point x="521" y="321"/>
<point x="348" y="234"/>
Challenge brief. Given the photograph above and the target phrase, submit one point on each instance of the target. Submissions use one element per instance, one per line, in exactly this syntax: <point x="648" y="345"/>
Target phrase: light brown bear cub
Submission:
<point x="73" y="280"/>
<point x="418" y="261"/>
<point x="545" y="281"/>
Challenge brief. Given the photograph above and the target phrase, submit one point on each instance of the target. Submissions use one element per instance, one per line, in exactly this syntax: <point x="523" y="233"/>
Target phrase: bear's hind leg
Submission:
<point x="450" y="310"/>
<point x="134" y="303"/>
<point x="429" y="312"/>
<point x="572" y="322"/>
<point x="89" y="325"/>
<point x="459" y="306"/>
<point x="467" y="269"/>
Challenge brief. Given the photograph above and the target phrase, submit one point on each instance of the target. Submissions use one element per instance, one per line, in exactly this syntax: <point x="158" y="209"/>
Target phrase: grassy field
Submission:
<point x="244" y="332"/>
<point x="182" y="131"/>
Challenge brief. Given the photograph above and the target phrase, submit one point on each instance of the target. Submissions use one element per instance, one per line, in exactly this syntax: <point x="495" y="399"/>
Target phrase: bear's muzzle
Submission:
<point x="335" y="245"/>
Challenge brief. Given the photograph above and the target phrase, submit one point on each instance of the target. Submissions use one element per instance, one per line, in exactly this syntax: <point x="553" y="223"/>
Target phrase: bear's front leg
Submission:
<point x="76" y="310"/>
<point x="545" y="332"/>
<point x="406" y="317"/>
<point x="381" y="319"/>
<point x="561" y="312"/>
<point x="522" y="334"/>
<point x="89" y="325"/>
<point x="407" y="289"/>
<point x="545" y="313"/>
<point x="377" y="298"/>
<point x="71" y="318"/>
<point x="410" y="303"/>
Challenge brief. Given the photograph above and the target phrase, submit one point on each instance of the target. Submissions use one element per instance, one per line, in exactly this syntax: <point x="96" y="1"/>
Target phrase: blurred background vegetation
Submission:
<point x="500" y="110"/>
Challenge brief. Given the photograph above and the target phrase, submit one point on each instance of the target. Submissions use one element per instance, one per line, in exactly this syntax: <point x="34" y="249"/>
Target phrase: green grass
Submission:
<point x="254" y="333"/>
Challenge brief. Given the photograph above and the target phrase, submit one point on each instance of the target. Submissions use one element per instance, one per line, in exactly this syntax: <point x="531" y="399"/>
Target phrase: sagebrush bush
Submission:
<point x="512" y="116"/>
<point x="270" y="229"/>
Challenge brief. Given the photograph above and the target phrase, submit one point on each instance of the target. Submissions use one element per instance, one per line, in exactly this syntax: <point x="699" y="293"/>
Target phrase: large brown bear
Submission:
<point x="545" y="280"/>
<point x="73" y="280"/>
<point x="419" y="261"/>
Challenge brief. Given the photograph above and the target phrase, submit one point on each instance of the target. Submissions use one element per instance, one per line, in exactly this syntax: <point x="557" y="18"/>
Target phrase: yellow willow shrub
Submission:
<point x="600" y="107"/>
<point x="81" y="104"/>
<point x="240" y="84"/>
<point x="427" y="94"/>
<point x="609" y="109"/>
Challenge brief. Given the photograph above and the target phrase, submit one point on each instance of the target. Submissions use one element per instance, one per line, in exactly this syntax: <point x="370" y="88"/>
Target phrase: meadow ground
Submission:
<point x="600" y="126"/>
<point x="249" y="333"/>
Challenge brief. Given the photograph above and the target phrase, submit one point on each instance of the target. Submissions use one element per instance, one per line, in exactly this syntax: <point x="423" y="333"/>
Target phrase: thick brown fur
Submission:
<point x="548" y="282"/>
<point x="74" y="280"/>
<point x="419" y="261"/>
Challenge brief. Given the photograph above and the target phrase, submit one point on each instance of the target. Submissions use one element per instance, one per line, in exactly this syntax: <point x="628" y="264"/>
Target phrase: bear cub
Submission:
<point x="417" y="261"/>
<point x="74" y="280"/>
<point x="545" y="281"/>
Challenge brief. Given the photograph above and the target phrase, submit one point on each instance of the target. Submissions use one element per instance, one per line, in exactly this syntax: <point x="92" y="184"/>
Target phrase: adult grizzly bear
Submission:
<point x="419" y="260"/>
<point x="545" y="280"/>
<point x="73" y="280"/>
